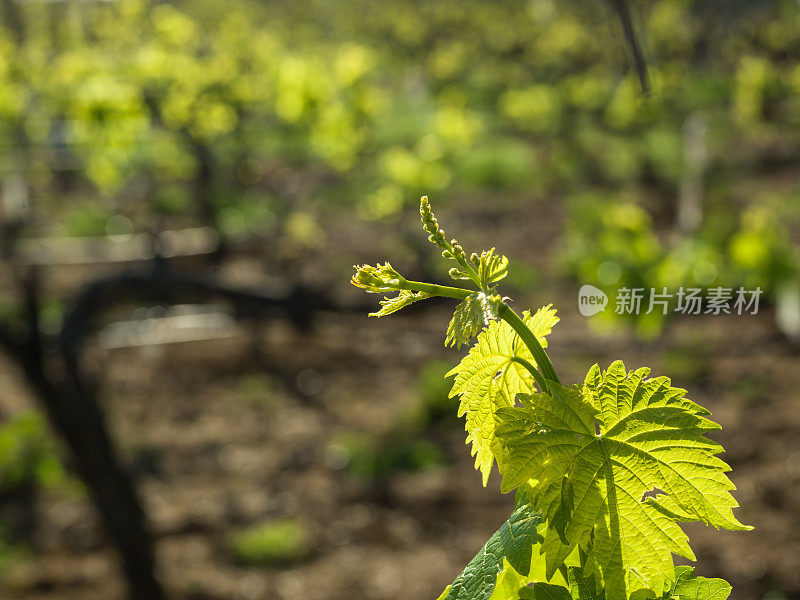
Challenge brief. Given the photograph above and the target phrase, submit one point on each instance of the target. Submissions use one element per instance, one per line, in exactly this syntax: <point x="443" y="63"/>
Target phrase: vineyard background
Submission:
<point x="185" y="186"/>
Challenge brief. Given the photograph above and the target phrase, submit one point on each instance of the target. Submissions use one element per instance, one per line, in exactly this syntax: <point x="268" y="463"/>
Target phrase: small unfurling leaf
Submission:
<point x="403" y="299"/>
<point x="471" y="315"/>
<point x="378" y="279"/>
<point x="491" y="268"/>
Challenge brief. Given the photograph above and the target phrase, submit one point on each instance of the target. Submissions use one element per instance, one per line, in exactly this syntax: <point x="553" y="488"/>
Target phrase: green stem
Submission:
<point x="540" y="381"/>
<point x="464" y="262"/>
<point x="473" y="274"/>
<point x="433" y="289"/>
<point x="546" y="371"/>
<point x="508" y="315"/>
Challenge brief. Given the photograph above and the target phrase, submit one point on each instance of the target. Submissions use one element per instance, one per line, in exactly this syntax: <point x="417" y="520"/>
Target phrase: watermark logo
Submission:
<point x="591" y="300"/>
<point x="687" y="301"/>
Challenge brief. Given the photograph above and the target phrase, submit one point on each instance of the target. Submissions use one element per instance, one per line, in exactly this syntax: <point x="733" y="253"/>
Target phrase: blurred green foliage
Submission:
<point x="272" y="542"/>
<point x="29" y="459"/>
<point x="433" y="403"/>
<point x="614" y="243"/>
<point x="28" y="453"/>
<point x="11" y="553"/>
<point x="369" y="458"/>
<point x="253" y="117"/>
<point x="257" y="389"/>
<point x="374" y="458"/>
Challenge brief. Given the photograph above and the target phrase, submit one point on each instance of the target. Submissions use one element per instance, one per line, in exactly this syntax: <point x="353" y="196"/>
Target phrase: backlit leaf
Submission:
<point x="650" y="438"/>
<point x="489" y="378"/>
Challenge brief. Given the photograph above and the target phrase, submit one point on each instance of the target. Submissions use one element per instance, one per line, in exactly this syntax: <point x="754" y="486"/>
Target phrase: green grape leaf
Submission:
<point x="491" y="268"/>
<point x="512" y="542"/>
<point x="489" y="378"/>
<point x="471" y="315"/>
<point x="689" y="587"/>
<point x="444" y="594"/>
<point x="509" y="583"/>
<point x="403" y="299"/>
<point x="582" y="587"/>
<point x="651" y="441"/>
<point x="544" y="591"/>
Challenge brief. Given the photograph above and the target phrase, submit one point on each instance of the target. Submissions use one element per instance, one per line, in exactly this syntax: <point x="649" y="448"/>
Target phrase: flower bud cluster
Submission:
<point x="458" y="252"/>
<point x="430" y="224"/>
<point x="457" y="274"/>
